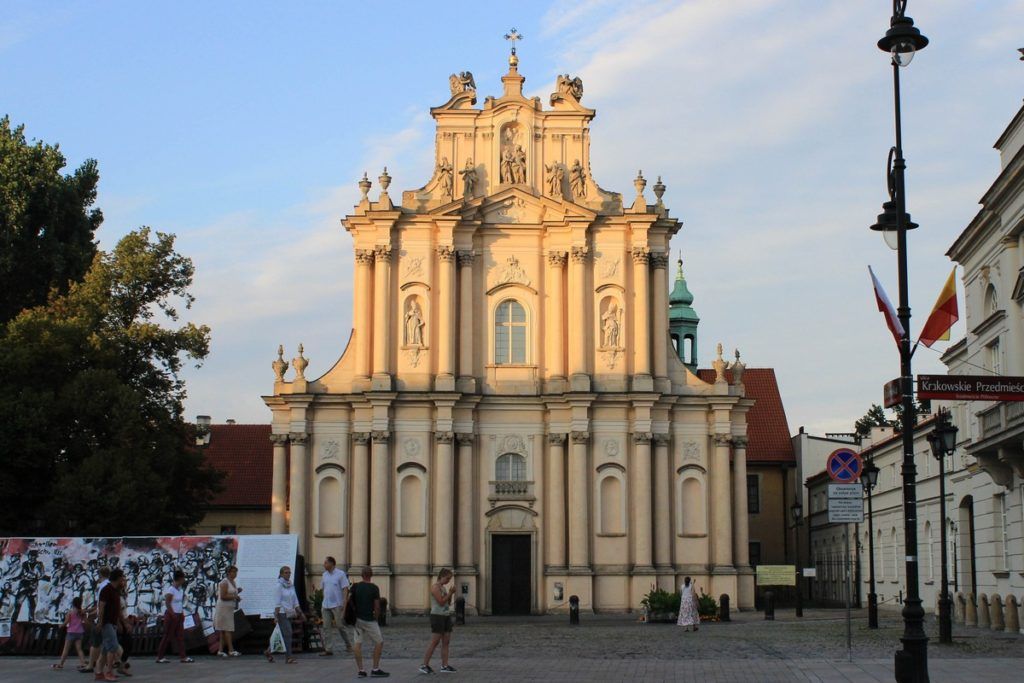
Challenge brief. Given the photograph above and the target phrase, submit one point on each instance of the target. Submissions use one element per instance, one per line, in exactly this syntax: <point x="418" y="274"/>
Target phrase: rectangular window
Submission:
<point x="501" y="345"/>
<point x="995" y="362"/>
<point x="753" y="494"/>
<point x="1000" y="531"/>
<point x="754" y="548"/>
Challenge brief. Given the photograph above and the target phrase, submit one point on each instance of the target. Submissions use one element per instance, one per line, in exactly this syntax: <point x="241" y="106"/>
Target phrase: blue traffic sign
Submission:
<point x="844" y="465"/>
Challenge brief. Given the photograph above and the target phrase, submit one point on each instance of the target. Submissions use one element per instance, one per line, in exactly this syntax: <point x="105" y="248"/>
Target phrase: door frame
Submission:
<point x="501" y="521"/>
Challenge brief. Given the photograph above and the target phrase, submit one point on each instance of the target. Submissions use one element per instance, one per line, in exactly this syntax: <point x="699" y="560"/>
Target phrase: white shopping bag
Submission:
<point x="277" y="641"/>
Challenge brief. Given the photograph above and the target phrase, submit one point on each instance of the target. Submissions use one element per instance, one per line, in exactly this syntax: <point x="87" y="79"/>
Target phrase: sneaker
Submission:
<point x="361" y="674"/>
<point x="163" y="660"/>
<point x="425" y="669"/>
<point x="445" y="669"/>
<point x="379" y="673"/>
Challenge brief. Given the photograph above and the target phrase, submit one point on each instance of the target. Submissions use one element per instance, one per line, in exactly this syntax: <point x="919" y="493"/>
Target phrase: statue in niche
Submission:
<point x="461" y="82"/>
<point x="468" y="178"/>
<point x="444" y="171"/>
<point x="571" y="87"/>
<point x="413" y="324"/>
<point x="578" y="180"/>
<point x="519" y="165"/>
<point x="556" y="173"/>
<point x="611" y="326"/>
<point x="507" y="158"/>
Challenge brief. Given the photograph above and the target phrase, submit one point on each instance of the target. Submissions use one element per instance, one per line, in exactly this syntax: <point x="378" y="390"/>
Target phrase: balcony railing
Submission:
<point x="1000" y="417"/>
<point x="511" y="490"/>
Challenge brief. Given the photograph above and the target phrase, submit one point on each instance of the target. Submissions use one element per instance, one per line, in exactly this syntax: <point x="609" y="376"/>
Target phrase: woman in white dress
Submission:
<point x="688" y="615"/>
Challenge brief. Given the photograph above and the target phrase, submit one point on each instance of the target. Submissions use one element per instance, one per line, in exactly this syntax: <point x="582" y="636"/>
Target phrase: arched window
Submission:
<point x="991" y="300"/>
<point x="688" y="349"/>
<point x="509" y="333"/>
<point x="895" y="556"/>
<point x="510" y="467"/>
<point x="881" y="553"/>
<point x="931" y="550"/>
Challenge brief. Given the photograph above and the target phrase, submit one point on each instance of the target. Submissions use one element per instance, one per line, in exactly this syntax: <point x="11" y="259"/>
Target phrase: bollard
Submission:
<point x="574" y="610"/>
<point x="1012" y="618"/>
<point x="995" y="610"/>
<point x="984" y="616"/>
<point x="959" y="605"/>
<point x="460" y="611"/>
<point x="382" y="616"/>
<point x="723" y="607"/>
<point x="971" y="611"/>
<point x="769" y="606"/>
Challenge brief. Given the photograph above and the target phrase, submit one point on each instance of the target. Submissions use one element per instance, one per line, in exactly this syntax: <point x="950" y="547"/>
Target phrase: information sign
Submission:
<point x="776" y="575"/>
<point x="845" y="503"/>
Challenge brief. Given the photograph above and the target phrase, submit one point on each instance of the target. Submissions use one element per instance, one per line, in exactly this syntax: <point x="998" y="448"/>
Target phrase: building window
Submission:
<point x="510" y="467"/>
<point x="228" y="530"/>
<point x="753" y="494"/>
<point x="754" y="548"/>
<point x="931" y="550"/>
<point x="991" y="300"/>
<point x="994" y="360"/>
<point x="999" y="527"/>
<point x="509" y="333"/>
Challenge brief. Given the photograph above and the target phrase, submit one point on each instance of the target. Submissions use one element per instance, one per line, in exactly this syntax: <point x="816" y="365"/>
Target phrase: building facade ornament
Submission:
<point x="411" y="447"/>
<point x="365" y="256"/>
<point x="444" y="437"/>
<point x="723" y="440"/>
<point x="298" y="438"/>
<point x="300" y="363"/>
<point x="580" y="437"/>
<point x="607" y="266"/>
<point x="557" y="259"/>
<point x="660" y="439"/>
<point x="555" y="176"/>
<point x="578" y="180"/>
<point x="414" y="324"/>
<point x="513" y="443"/>
<point x="280" y="366"/>
<point x="737" y="368"/>
<point x="464" y="438"/>
<point x="659" y="260"/>
<point x="611" y="447"/>
<point x="461" y="82"/>
<point x="691" y="451"/>
<point x="331" y="450"/>
<point x="740" y="441"/>
<point x="469" y="179"/>
<point x="641" y="255"/>
<point x="512" y="272"/>
<point x="380" y="436"/>
<point x="382" y="252"/>
<point x="611" y="327"/>
<point x="641" y="437"/>
<point x="579" y="254"/>
<point x="361" y="438"/>
<point x="413" y="266"/>
<point x="446" y="253"/>
<point x="567" y="86"/>
<point x="364" y="187"/>
<point x="719" y="365"/>
<point x="465" y="258"/>
<point x="279" y="439"/>
<point x="556" y="439"/>
<point x="444" y="177"/>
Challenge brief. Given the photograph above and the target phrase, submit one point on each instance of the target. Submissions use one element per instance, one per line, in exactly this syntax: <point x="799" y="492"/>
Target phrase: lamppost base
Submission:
<point x="945" y="621"/>
<point x="872" y="610"/>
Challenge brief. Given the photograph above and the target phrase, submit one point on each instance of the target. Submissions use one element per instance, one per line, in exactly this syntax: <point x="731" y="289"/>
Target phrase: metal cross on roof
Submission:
<point x="512" y="36"/>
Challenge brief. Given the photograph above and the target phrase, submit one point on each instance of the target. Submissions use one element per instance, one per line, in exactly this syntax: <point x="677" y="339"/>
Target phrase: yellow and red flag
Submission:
<point x="943" y="315"/>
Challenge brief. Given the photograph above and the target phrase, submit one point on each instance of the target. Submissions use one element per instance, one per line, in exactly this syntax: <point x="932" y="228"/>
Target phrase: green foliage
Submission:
<point x="46" y="223"/>
<point x="658" y="600"/>
<point x="91" y="430"/>
<point x="875" y="417"/>
<point x="318" y="602"/>
<point x="706" y="605"/>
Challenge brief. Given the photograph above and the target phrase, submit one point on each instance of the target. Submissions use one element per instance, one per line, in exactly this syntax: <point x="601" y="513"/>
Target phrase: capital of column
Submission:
<point x="364" y="256"/>
<point x="722" y="439"/>
<point x="660" y="439"/>
<point x="382" y="252"/>
<point x="556" y="439"/>
<point x="444" y="437"/>
<point x="298" y="438"/>
<point x="279" y="439"/>
<point x="740" y="441"/>
<point x="557" y="259"/>
<point x="659" y="260"/>
<point x="446" y="253"/>
<point x="579" y="254"/>
<point x="464" y="438"/>
<point x="361" y="438"/>
<point x="380" y="436"/>
<point x="641" y="254"/>
<point x="580" y="437"/>
<point x="465" y="258"/>
<point x="641" y="437"/>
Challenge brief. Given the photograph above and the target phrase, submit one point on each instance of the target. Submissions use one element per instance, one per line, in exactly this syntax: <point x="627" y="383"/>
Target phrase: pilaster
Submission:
<point x="360" y="526"/>
<point x="297" y="502"/>
<point x="279" y="485"/>
<point x="384" y="315"/>
<point x="642" y="380"/>
<point x="445" y="380"/>
<point x="380" y="503"/>
<point x="579" y="380"/>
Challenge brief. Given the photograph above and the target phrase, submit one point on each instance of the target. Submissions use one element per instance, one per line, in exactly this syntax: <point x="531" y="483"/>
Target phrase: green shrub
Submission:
<point x="318" y="601"/>
<point x="659" y="600"/>
<point x="706" y="605"/>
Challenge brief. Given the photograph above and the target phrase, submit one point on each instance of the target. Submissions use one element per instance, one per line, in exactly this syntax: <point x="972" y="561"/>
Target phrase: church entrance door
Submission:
<point x="510" y="574"/>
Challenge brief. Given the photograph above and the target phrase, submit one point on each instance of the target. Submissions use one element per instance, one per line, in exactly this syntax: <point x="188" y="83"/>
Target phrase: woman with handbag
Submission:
<point x="287" y="606"/>
<point x="224" y="615"/>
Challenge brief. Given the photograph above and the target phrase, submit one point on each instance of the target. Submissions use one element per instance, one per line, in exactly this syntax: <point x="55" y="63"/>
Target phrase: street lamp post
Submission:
<point x="797" y="509"/>
<point x="902" y="41"/>
<point x="943" y="443"/>
<point x="868" y="479"/>
<point x="956" y="566"/>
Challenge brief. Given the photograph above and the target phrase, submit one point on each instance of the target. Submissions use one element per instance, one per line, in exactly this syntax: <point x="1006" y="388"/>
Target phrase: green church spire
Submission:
<point x="683" y="320"/>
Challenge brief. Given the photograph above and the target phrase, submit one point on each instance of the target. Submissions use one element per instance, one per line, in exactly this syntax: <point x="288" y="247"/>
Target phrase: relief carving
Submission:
<point x="513" y="443"/>
<point x="444" y="437"/>
<point x="411" y="447"/>
<point x="691" y="451"/>
<point x="611" y="447"/>
<point x="331" y="451"/>
<point x="580" y="437"/>
<point x="556" y="439"/>
<point x="607" y="266"/>
<point x="512" y="272"/>
<point x="361" y="438"/>
<point x="413" y="266"/>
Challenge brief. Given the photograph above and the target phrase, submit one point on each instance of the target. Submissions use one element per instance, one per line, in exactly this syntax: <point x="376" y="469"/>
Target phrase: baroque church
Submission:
<point x="515" y="401"/>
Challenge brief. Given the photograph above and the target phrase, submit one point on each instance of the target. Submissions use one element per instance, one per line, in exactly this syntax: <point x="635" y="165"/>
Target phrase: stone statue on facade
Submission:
<point x="737" y="368"/>
<point x="719" y="365"/>
<point x="461" y="82"/>
<point x="555" y="175"/>
<point x="578" y="180"/>
<point x="414" y="324"/>
<point x="507" y="158"/>
<point x="566" y="86"/>
<point x="519" y="165"/>
<point x="611" y="326"/>
<point x="444" y="172"/>
<point x="468" y="178"/>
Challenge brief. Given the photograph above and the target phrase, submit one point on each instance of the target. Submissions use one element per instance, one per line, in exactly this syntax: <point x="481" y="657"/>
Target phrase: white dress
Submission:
<point x="688" y="615"/>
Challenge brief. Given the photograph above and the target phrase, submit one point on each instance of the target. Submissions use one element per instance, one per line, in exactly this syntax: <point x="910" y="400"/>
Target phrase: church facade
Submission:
<point x="512" y="402"/>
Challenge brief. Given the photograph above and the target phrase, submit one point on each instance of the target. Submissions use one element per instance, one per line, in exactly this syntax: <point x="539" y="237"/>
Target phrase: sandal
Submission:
<point x="234" y="653"/>
<point x="291" y="660"/>
<point x="57" y="666"/>
<point x="188" y="660"/>
<point x="221" y="653"/>
<point x="269" y="656"/>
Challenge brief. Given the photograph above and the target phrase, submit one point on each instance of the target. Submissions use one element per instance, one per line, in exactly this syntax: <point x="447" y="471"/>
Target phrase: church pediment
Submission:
<point x="514" y="205"/>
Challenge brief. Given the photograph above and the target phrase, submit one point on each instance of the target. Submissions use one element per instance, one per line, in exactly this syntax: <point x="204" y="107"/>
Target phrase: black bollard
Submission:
<point x="723" y="607"/>
<point x="574" y="610"/>
<point x="382" y="617"/>
<point x="769" y="606"/>
<point x="460" y="611"/>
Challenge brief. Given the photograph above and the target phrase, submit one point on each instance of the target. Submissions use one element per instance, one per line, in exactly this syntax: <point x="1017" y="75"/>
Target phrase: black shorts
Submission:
<point x="441" y="623"/>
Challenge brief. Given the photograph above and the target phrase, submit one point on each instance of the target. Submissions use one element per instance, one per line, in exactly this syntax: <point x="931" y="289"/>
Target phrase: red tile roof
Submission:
<point x="245" y="455"/>
<point x="767" y="428"/>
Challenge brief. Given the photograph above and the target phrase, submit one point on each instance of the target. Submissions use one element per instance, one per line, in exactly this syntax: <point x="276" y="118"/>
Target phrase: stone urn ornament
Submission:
<point x="719" y="364"/>
<point x="300" y="363"/>
<point x="280" y="365"/>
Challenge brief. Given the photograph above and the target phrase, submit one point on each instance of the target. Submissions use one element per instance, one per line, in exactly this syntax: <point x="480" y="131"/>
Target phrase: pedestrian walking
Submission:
<point x="365" y="597"/>
<point x="109" y="611"/>
<point x="335" y="585"/>
<point x="174" y="620"/>
<point x="124" y="635"/>
<point x="688" y="613"/>
<point x="74" y="628"/>
<point x="224" y="614"/>
<point x="94" y="635"/>
<point x="286" y="607"/>
<point x="440" y="622"/>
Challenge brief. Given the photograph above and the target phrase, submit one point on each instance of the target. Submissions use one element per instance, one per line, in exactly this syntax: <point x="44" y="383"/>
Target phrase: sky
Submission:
<point x="243" y="128"/>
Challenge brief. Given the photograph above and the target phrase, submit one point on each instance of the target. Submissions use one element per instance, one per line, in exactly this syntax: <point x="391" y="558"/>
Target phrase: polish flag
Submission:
<point x="887" y="309"/>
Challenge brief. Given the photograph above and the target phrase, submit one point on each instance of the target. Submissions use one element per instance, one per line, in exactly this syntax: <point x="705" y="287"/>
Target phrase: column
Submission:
<point x="740" y="518"/>
<point x="363" y="323"/>
<point x="382" y="312"/>
<point x="577" y="317"/>
<point x="279" y="487"/>
<point x="360" y="526"/>
<point x="297" y="497"/>
<point x="579" y="504"/>
<point x="662" y="515"/>
<point x="642" y="500"/>
<point x="445" y="380"/>
<point x="556" y="324"/>
<point x="659" y="264"/>
<point x="556" y="501"/>
<point x="380" y="501"/>
<point x="465" y="534"/>
<point x="641" y="313"/>
<point x="466" y="329"/>
<point x="444" y="501"/>
<point x="721" y="510"/>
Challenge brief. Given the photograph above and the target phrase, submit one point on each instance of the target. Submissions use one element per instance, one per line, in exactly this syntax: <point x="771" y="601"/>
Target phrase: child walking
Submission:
<point x="74" y="625"/>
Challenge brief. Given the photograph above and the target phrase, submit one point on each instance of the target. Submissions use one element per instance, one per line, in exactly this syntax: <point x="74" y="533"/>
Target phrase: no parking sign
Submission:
<point x="844" y="466"/>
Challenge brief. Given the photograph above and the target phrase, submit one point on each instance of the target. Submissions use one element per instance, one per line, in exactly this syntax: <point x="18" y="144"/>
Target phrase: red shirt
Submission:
<point x="111" y="599"/>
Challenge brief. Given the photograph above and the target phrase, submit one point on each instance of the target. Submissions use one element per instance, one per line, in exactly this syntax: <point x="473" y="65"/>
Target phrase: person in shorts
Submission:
<point x="109" y="614"/>
<point x="365" y="597"/>
<point x="74" y="626"/>
<point x="440" y="622"/>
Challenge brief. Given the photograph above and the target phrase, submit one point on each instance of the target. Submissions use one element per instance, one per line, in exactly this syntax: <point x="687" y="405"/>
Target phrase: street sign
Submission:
<point x="845" y="503"/>
<point x="844" y="465"/>
<point x="970" y="387"/>
<point x="892" y="395"/>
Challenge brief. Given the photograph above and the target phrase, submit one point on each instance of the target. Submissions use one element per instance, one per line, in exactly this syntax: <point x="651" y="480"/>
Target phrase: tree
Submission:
<point x="875" y="417"/>
<point x="47" y="227"/>
<point x="91" y="402"/>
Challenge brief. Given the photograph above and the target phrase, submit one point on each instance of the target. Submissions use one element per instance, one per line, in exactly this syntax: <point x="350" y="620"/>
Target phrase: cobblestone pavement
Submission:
<point x="616" y="648"/>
